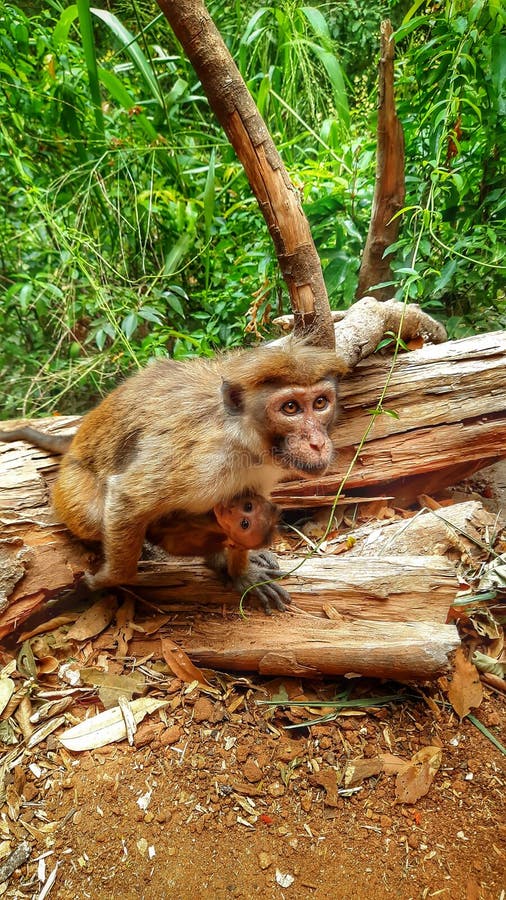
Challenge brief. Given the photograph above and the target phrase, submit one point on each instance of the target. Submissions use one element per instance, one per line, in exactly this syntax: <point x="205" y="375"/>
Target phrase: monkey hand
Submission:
<point x="262" y="567"/>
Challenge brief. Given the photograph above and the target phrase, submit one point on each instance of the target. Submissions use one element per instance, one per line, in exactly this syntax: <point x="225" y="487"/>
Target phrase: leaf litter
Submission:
<point x="236" y="758"/>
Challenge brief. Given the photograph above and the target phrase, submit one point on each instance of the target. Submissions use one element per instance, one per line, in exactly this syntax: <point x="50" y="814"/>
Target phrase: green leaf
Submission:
<point x="209" y="196"/>
<point x="335" y="74"/>
<point x="63" y="25"/>
<point x="446" y="275"/>
<point x="408" y="26"/>
<point x="174" y="303"/>
<point x="130" y="45"/>
<point x="88" y="39"/>
<point x="498" y="71"/>
<point x="122" y="96"/>
<point x="177" y="253"/>
<point x="150" y="315"/>
<point x="317" y="21"/>
<point x="129" y="324"/>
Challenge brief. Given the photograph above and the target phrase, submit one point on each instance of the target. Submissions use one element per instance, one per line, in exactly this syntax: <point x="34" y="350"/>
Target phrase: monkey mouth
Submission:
<point x="306" y="466"/>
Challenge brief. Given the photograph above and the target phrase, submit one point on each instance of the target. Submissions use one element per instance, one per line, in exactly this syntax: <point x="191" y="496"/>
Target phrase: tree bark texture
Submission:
<point x="389" y="189"/>
<point x="308" y="648"/>
<point x="278" y="199"/>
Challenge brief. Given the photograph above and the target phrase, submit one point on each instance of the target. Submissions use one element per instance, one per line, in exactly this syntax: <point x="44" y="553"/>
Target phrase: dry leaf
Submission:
<point x="465" y="690"/>
<point x="180" y="663"/>
<point x="107" y="727"/>
<point x="327" y="779"/>
<point x="7" y="688"/>
<point x="93" y="620"/>
<point x="149" y="626"/>
<point x="111" y="686"/>
<point x="357" y="770"/>
<point x="392" y="764"/>
<point x="50" y="625"/>
<point x="416" y="780"/>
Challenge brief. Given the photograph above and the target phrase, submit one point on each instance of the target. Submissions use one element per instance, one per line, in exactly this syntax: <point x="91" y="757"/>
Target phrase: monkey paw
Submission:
<point x="261" y="568"/>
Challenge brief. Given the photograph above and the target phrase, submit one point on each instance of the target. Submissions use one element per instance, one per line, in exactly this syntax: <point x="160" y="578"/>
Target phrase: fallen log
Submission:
<point x="296" y="646"/>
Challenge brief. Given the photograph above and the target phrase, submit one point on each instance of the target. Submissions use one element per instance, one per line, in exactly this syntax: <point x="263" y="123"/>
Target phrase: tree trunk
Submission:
<point x="278" y="199"/>
<point x="389" y="190"/>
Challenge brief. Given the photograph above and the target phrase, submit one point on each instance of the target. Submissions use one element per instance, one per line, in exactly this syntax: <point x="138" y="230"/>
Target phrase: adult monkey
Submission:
<point x="189" y="435"/>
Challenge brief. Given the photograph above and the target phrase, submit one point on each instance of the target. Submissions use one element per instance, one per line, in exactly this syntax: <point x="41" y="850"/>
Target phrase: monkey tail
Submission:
<point x="55" y="443"/>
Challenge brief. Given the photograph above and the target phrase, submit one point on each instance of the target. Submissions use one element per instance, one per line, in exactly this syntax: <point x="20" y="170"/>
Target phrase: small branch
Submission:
<point x="389" y="189"/>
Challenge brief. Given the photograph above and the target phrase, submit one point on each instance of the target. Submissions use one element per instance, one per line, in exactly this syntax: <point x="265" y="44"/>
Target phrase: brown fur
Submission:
<point x="187" y="436"/>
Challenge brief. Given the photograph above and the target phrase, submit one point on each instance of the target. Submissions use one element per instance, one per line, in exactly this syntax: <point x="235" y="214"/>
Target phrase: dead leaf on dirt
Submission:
<point x="180" y="663"/>
<point x="107" y="727"/>
<point x="93" y="620"/>
<point x="392" y="764"/>
<point x="50" y="625"/>
<point x="465" y="690"/>
<point x="7" y="688"/>
<point x="149" y="626"/>
<point x="357" y="770"/>
<point x="416" y="780"/>
<point x="124" y="630"/>
<point x="327" y="779"/>
<point x="111" y="686"/>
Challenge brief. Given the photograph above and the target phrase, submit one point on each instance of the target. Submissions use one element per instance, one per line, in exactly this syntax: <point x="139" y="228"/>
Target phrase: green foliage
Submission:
<point x="452" y="102"/>
<point x="130" y="230"/>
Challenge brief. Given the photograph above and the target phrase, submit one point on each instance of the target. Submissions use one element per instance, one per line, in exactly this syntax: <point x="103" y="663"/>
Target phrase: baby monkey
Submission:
<point x="224" y="536"/>
<point x="247" y="522"/>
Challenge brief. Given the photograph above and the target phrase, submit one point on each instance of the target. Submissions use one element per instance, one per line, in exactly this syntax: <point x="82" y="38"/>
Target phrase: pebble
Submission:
<point x="171" y="735"/>
<point x="264" y="860"/>
<point x="252" y="772"/>
<point x="276" y="789"/>
<point x="203" y="710"/>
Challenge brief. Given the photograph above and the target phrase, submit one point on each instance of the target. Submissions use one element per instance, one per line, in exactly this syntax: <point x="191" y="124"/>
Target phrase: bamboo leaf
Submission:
<point x="88" y="40"/>
<point x="209" y="195"/>
<point x="130" y="45"/>
<point x="118" y="92"/>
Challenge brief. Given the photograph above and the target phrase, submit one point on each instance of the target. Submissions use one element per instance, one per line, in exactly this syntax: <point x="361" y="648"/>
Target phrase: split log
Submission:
<point x="290" y="645"/>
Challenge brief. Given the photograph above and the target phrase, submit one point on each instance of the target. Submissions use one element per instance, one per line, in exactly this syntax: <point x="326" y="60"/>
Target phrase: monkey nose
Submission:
<point x="316" y="442"/>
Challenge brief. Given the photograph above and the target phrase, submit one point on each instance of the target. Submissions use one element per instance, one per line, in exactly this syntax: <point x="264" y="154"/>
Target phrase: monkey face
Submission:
<point x="248" y="521"/>
<point x="298" y="419"/>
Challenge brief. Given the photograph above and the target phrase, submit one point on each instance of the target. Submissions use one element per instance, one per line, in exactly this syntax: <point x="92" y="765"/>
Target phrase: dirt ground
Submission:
<point x="236" y="788"/>
<point x="216" y="799"/>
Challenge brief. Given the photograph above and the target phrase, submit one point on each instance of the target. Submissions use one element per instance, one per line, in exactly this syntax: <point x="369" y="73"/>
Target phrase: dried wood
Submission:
<point x="393" y="588"/>
<point x="389" y="189"/>
<point x="307" y="648"/>
<point x="450" y="406"/>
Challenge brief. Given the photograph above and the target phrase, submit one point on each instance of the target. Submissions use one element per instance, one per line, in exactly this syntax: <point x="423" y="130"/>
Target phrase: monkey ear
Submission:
<point x="233" y="397"/>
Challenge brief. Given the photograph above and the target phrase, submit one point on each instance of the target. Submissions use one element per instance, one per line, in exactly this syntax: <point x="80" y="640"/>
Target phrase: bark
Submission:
<point x="278" y="199"/>
<point x="286" y="645"/>
<point x="389" y="189"/>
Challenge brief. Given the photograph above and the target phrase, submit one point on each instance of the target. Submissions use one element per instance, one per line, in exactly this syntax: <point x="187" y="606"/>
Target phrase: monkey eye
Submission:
<point x="321" y="403"/>
<point x="290" y="407"/>
<point x="244" y="524"/>
<point x="248" y="506"/>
